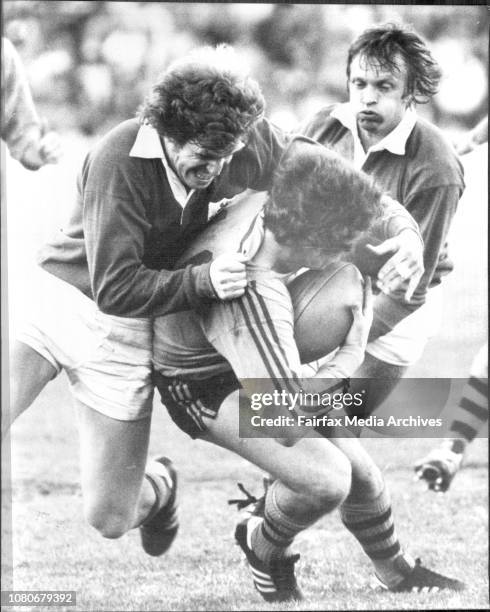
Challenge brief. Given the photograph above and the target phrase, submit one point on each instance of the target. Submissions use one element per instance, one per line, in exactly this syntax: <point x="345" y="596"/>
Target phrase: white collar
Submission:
<point x="149" y="146"/>
<point x="395" y="141"/>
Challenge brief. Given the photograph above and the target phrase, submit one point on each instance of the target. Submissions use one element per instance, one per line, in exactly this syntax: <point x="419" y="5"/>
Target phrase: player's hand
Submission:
<point x="50" y="148"/>
<point x="228" y="275"/>
<point x="45" y="150"/>
<point x="363" y="318"/>
<point x="405" y="266"/>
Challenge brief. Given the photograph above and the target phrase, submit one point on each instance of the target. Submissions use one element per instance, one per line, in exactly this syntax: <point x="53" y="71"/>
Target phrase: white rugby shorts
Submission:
<point x="405" y="343"/>
<point x="107" y="358"/>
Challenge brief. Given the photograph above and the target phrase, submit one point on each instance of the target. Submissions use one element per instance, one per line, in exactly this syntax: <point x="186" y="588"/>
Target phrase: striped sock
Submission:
<point x="371" y="523"/>
<point x="162" y="486"/>
<point x="272" y="537"/>
<point x="472" y="412"/>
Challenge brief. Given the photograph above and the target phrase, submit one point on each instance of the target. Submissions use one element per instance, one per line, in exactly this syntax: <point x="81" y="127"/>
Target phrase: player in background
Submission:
<point x="22" y="130"/>
<point x="143" y="193"/>
<point x="389" y="71"/>
<point x="317" y="208"/>
<point x="470" y="416"/>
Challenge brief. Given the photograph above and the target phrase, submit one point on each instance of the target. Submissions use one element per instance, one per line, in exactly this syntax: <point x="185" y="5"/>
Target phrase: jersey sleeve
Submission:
<point x="117" y="229"/>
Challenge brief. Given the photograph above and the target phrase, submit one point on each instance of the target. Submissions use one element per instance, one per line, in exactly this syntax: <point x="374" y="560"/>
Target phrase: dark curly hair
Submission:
<point x="205" y="98"/>
<point x="318" y="199"/>
<point x="382" y="44"/>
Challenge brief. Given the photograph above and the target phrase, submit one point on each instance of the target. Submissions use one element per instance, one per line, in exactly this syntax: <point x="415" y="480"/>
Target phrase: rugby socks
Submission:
<point x="162" y="486"/>
<point x="274" y="534"/>
<point x="472" y="412"/>
<point x="371" y="523"/>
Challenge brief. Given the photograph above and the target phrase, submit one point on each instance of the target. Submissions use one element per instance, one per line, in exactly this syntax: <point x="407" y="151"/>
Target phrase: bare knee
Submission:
<point x="330" y="484"/>
<point x="107" y="519"/>
<point x="367" y="481"/>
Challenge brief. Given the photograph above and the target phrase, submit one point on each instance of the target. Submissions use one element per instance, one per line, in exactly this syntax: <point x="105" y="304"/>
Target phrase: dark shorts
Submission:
<point x="188" y="401"/>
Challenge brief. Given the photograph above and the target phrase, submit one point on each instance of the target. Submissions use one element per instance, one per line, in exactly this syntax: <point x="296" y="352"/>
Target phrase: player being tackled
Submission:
<point x="317" y="208"/>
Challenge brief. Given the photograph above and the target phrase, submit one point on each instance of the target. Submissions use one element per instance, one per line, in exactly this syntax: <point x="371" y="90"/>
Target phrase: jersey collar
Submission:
<point x="394" y="142"/>
<point x="149" y="146"/>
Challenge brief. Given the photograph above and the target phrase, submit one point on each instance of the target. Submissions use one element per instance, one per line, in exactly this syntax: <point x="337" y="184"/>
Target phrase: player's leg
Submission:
<point x="367" y="514"/>
<point x="113" y="391"/>
<point x="312" y="469"/>
<point x="112" y="459"/>
<point x="29" y="373"/>
<point x="311" y="479"/>
<point x="378" y="379"/>
<point x="388" y="356"/>
<point x="467" y="419"/>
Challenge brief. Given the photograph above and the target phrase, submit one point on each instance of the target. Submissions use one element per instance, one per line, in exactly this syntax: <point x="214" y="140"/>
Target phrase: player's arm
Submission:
<point x="261" y="349"/>
<point x="116" y="229"/>
<point x="27" y="139"/>
<point x="433" y="209"/>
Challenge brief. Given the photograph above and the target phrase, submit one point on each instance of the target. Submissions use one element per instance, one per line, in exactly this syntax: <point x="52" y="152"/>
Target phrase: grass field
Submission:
<point x="53" y="549"/>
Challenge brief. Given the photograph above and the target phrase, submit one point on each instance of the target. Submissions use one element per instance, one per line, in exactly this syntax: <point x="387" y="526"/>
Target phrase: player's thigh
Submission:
<point x="312" y="464"/>
<point x="29" y="372"/>
<point x="112" y="460"/>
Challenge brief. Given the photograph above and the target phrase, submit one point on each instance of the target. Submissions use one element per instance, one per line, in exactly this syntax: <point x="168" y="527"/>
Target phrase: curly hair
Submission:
<point x="382" y="45"/>
<point x="318" y="199"/>
<point x="205" y="98"/>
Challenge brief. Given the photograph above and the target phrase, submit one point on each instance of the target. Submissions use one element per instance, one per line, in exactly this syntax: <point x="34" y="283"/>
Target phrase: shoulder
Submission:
<point x="109" y="162"/>
<point x="319" y="118"/>
<point x="431" y="153"/>
<point x="117" y="143"/>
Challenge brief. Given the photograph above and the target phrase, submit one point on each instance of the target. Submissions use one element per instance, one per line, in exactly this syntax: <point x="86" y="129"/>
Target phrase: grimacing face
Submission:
<point x="196" y="167"/>
<point x="377" y="96"/>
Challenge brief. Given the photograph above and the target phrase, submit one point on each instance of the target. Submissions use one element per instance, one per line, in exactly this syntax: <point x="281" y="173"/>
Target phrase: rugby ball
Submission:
<point x="322" y="302"/>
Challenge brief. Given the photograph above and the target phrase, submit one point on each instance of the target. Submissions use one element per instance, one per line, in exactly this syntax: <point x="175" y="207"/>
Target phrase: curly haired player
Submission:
<point x="143" y="193"/>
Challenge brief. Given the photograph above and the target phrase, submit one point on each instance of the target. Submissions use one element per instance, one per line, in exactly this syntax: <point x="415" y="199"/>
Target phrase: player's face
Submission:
<point x="195" y="166"/>
<point x="378" y="96"/>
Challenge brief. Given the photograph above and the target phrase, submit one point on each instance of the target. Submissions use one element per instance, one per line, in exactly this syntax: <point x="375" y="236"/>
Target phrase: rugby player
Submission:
<point x="317" y="207"/>
<point x="390" y="70"/>
<point x="143" y="193"/>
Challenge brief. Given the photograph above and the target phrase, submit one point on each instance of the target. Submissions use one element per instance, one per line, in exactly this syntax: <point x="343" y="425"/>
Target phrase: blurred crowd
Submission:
<point x="90" y="64"/>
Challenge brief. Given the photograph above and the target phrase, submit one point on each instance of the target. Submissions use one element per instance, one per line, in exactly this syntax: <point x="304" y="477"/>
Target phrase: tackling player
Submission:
<point x="317" y="208"/>
<point x="143" y="193"/>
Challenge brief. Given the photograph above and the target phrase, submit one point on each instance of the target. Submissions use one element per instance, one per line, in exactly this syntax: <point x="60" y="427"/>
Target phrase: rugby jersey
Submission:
<point x="418" y="167"/>
<point x="253" y="335"/>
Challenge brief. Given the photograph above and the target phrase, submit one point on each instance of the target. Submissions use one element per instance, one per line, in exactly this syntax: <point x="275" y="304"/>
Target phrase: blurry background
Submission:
<point x="91" y="63"/>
